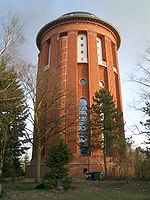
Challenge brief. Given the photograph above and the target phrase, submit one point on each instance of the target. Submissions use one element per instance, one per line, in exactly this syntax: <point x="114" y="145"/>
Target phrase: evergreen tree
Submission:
<point x="13" y="114"/>
<point x="58" y="157"/>
<point x="105" y="123"/>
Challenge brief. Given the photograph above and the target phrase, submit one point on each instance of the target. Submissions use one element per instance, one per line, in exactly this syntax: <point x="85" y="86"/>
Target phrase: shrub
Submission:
<point x="58" y="157"/>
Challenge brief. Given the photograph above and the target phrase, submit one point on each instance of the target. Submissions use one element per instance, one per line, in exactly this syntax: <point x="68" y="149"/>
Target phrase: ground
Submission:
<point x="82" y="189"/>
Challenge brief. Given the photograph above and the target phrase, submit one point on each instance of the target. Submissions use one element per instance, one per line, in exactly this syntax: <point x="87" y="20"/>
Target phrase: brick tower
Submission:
<point x="83" y="49"/>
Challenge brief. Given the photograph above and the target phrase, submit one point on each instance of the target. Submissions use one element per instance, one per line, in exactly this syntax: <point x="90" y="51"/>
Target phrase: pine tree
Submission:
<point x="13" y="114"/>
<point x="105" y="124"/>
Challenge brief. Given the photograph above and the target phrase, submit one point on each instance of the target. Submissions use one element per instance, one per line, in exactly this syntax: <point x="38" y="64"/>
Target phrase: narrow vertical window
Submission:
<point x="83" y="132"/>
<point x="63" y="40"/>
<point x="114" y="55"/>
<point x="82" y="48"/>
<point x="65" y="43"/>
<point x="49" y="54"/>
<point x="99" y="50"/>
<point x="100" y="53"/>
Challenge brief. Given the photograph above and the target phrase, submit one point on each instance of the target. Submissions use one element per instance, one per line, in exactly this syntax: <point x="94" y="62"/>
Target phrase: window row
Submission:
<point x="83" y="82"/>
<point x="82" y="52"/>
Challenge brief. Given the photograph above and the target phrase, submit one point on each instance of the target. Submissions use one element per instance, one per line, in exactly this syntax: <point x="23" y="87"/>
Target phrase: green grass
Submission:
<point x="82" y="190"/>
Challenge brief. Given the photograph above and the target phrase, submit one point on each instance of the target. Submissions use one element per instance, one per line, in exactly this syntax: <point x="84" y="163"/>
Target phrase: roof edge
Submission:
<point x="71" y="17"/>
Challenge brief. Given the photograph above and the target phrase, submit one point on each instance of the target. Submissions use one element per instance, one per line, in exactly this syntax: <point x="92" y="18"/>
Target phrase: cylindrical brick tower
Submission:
<point x="84" y="50"/>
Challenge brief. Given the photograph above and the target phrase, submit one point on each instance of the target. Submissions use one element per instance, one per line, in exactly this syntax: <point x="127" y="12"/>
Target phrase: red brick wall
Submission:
<point x="91" y="71"/>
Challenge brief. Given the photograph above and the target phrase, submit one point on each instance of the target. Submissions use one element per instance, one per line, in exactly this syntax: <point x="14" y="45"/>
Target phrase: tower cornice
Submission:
<point x="77" y="16"/>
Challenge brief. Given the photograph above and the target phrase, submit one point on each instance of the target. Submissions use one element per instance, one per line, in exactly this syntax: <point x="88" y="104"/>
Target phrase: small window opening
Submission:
<point x="101" y="84"/>
<point x="82" y="81"/>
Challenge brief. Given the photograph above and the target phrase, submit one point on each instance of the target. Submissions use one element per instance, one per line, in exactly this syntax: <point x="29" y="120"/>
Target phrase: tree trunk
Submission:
<point x="2" y="152"/>
<point x="1" y="164"/>
<point x="105" y="162"/>
<point x="2" y="149"/>
<point x="38" y="164"/>
<point x="88" y="163"/>
<point x="105" y="157"/>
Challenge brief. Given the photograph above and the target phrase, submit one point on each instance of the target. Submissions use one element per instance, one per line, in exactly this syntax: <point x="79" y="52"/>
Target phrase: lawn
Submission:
<point x="82" y="190"/>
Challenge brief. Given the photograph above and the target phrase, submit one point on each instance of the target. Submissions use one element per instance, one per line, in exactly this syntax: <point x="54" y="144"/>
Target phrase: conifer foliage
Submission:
<point x="58" y="157"/>
<point x="13" y="114"/>
<point x="105" y="122"/>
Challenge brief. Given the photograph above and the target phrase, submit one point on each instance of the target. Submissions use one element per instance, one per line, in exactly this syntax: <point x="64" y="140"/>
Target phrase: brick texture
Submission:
<point x="90" y="71"/>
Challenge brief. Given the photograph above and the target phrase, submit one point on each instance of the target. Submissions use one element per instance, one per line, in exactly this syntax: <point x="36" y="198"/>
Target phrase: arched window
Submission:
<point x="83" y="132"/>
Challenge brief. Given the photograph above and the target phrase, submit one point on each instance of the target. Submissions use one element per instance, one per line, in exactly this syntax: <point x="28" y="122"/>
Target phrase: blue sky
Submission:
<point x="130" y="17"/>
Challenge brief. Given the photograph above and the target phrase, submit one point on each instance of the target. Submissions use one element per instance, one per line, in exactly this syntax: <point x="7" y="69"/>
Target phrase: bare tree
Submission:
<point x="141" y="77"/>
<point x="11" y="38"/>
<point x="52" y="110"/>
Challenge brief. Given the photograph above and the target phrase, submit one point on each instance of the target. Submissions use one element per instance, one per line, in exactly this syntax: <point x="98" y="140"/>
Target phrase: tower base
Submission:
<point x="77" y="167"/>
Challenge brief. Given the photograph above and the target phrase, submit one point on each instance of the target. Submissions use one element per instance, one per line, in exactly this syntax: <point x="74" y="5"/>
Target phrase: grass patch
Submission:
<point x="83" y="190"/>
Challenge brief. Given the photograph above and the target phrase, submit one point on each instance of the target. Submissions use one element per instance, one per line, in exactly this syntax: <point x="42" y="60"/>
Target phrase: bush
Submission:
<point x="58" y="157"/>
